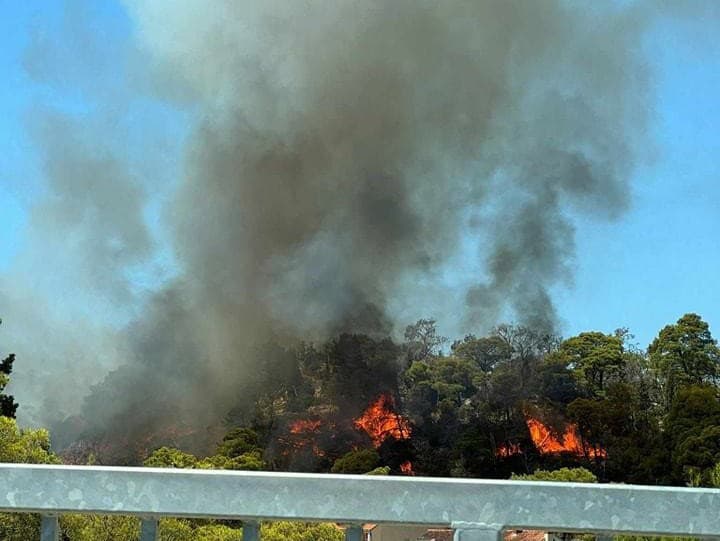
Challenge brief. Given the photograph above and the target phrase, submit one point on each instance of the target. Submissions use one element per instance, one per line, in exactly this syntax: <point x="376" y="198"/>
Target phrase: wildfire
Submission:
<point x="511" y="449"/>
<point x="381" y="421"/>
<point x="406" y="468"/>
<point x="548" y="444"/>
<point x="303" y="434"/>
<point x="302" y="426"/>
<point x="570" y="442"/>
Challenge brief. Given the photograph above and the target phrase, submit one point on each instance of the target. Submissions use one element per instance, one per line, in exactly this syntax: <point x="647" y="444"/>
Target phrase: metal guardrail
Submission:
<point x="478" y="510"/>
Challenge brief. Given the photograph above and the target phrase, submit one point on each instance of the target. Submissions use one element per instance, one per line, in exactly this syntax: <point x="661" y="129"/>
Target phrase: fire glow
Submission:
<point x="303" y="434"/>
<point x="303" y="426"/>
<point x="380" y="421"/>
<point x="406" y="468"/>
<point x="548" y="444"/>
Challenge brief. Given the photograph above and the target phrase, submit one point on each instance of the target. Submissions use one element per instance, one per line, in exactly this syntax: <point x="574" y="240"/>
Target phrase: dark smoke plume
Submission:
<point x="344" y="151"/>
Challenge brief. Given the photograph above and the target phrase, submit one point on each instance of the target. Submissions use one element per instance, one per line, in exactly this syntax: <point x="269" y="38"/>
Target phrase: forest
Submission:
<point x="593" y="407"/>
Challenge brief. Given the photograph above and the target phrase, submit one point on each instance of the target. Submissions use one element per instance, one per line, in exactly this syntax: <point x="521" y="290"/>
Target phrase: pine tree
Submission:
<point x="8" y="406"/>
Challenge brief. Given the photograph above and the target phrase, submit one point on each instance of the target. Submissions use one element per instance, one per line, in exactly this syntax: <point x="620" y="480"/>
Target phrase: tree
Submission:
<point x="239" y="441"/>
<point x="556" y="383"/>
<point x="423" y="340"/>
<point x="567" y="475"/>
<point x="528" y="347"/>
<point x="8" y="406"/>
<point x="621" y="423"/>
<point x="684" y="354"/>
<point x="168" y="457"/>
<point x="173" y="529"/>
<point x="360" y="368"/>
<point x="441" y="387"/>
<point x="693" y="430"/>
<point x="359" y="461"/>
<point x="485" y="352"/>
<point x="594" y="358"/>
<point x="300" y="531"/>
<point x="23" y="447"/>
<point x="250" y="461"/>
<point x="99" y="527"/>
<point x="19" y="446"/>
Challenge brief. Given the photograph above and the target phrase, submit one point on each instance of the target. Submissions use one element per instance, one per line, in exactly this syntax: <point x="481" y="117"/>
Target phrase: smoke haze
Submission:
<point x="339" y="153"/>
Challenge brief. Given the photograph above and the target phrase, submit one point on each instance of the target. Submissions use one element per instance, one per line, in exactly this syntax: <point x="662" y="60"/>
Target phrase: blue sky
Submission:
<point x="658" y="261"/>
<point x="662" y="259"/>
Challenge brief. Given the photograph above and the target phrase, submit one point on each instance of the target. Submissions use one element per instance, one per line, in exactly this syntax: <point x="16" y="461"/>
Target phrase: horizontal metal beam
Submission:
<point x="353" y="499"/>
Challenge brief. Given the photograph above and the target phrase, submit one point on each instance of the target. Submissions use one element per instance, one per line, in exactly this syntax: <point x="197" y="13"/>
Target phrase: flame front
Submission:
<point x="570" y="442"/>
<point x="380" y="421"/>
<point x="548" y="444"/>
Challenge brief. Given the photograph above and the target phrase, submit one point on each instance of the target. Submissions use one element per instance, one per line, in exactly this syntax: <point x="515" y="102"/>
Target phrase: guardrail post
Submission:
<point x="251" y="531"/>
<point x="476" y="532"/>
<point x="49" y="528"/>
<point x="149" y="529"/>
<point x="353" y="532"/>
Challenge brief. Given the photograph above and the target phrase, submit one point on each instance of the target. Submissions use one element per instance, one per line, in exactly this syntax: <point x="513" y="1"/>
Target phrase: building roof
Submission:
<point x="524" y="535"/>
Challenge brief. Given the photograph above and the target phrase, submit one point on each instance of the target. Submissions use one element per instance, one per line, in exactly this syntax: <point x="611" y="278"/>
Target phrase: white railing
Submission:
<point x="478" y="510"/>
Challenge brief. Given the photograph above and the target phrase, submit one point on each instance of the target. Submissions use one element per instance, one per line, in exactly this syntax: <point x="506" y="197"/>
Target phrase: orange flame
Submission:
<point x="548" y="444"/>
<point x="510" y="449"/>
<point x="302" y="426"/>
<point x="381" y="421"/>
<point x="406" y="468"/>
<point x="303" y="433"/>
<point x="570" y="442"/>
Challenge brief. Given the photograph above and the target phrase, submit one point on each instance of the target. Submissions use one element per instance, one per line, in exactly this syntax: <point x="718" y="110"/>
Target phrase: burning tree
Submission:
<point x="381" y="421"/>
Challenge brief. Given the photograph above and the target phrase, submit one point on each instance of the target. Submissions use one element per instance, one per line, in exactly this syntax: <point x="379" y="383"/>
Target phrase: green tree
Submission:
<point x="239" y="441"/>
<point x="8" y="406"/>
<point x="443" y="386"/>
<point x="485" y="352"/>
<point x="173" y="529"/>
<point x="168" y="457"/>
<point x="422" y="340"/>
<point x="251" y="461"/>
<point x="116" y="528"/>
<point x="595" y="359"/>
<point x="24" y="447"/>
<point x="528" y="347"/>
<point x="99" y="527"/>
<point x="684" y="354"/>
<point x="568" y="475"/>
<point x="622" y="424"/>
<point x="359" y="461"/>
<point x="556" y="383"/>
<point x="299" y="531"/>
<point x="692" y="429"/>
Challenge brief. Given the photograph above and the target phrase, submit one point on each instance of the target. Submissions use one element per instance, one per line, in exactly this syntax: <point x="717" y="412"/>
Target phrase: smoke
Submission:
<point x="340" y="148"/>
<point x="340" y="153"/>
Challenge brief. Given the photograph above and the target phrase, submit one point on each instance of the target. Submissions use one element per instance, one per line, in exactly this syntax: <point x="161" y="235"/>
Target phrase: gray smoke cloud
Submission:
<point x="343" y="151"/>
<point x="341" y="145"/>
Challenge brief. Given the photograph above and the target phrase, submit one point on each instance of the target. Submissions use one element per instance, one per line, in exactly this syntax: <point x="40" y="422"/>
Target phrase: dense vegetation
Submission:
<point x="647" y="416"/>
<point x="465" y="408"/>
